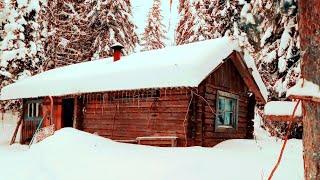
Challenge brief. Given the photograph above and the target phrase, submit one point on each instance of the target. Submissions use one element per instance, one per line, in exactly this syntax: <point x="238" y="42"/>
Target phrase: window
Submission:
<point x="227" y="111"/>
<point x="33" y="110"/>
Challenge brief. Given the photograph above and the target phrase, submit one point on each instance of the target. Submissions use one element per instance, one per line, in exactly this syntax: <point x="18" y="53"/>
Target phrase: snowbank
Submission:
<point x="8" y="122"/>
<point x="282" y="108"/>
<point x="73" y="154"/>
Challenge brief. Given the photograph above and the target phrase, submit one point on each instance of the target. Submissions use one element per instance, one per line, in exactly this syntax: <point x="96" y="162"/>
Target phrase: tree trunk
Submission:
<point x="309" y="30"/>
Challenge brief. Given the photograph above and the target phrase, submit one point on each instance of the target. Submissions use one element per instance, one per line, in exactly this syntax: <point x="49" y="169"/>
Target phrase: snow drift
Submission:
<point x="73" y="154"/>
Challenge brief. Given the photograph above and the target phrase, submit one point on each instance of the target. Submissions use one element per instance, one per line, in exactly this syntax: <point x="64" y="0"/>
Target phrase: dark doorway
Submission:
<point x="67" y="112"/>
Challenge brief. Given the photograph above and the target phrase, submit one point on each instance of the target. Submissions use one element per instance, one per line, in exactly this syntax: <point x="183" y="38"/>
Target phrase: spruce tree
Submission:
<point x="189" y="26"/>
<point x="219" y="17"/>
<point x="154" y="33"/>
<point x="85" y="30"/>
<point x="274" y="35"/>
<point x="111" y="22"/>
<point x="22" y="36"/>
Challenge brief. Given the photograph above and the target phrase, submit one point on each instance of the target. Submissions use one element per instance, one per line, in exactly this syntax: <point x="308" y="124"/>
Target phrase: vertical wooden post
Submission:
<point x="75" y="112"/>
<point x="309" y="31"/>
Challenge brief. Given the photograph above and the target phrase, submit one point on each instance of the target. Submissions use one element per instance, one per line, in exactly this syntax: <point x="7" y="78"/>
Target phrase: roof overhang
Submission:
<point x="177" y="66"/>
<point x="248" y="77"/>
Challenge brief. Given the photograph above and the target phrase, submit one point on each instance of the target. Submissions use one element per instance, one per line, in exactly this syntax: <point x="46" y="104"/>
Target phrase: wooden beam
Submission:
<point x="282" y="118"/>
<point x="305" y="98"/>
<point x="16" y="131"/>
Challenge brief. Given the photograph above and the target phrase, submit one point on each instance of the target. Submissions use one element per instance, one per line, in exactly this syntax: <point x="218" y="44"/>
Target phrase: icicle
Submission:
<point x="102" y="103"/>
<point x="127" y="98"/>
<point x="165" y="93"/>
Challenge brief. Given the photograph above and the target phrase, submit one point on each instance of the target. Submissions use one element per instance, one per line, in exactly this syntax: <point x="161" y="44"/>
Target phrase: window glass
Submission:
<point x="228" y="105"/>
<point x="220" y="119"/>
<point x="226" y="110"/>
<point x="221" y="103"/>
<point x="29" y="110"/>
<point x="228" y="117"/>
<point x="37" y="110"/>
<point x="33" y="110"/>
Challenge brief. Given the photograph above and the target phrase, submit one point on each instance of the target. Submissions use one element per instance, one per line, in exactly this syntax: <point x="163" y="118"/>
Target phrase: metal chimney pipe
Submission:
<point x="117" y="47"/>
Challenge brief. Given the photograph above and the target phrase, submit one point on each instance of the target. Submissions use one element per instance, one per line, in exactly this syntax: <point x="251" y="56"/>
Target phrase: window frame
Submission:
<point x="234" y="126"/>
<point x="33" y="110"/>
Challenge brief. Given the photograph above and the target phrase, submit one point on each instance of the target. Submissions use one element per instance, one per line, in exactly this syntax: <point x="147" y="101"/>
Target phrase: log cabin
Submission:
<point x="197" y="94"/>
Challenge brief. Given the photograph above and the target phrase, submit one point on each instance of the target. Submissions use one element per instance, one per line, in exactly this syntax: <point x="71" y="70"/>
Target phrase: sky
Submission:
<point x="141" y="8"/>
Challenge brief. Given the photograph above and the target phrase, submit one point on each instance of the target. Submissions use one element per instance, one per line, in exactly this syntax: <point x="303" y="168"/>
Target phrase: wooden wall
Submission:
<point x="227" y="79"/>
<point x="129" y="118"/>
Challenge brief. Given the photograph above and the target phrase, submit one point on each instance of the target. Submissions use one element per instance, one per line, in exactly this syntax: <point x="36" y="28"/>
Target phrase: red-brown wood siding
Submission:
<point x="225" y="78"/>
<point x="127" y="119"/>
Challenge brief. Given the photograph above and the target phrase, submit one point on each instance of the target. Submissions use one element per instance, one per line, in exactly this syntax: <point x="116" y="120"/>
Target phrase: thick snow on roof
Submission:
<point x="256" y="75"/>
<point x="304" y="88"/>
<point x="177" y="66"/>
<point x="282" y="108"/>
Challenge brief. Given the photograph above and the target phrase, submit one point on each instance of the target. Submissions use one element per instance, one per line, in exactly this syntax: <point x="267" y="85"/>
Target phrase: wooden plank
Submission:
<point x="282" y="118"/>
<point x="13" y="139"/>
<point x="305" y="98"/>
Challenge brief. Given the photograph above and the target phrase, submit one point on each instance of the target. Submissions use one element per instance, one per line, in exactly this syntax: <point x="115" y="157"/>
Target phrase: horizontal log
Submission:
<point x="133" y="116"/>
<point x="172" y="103"/>
<point x="136" y="109"/>
<point x="286" y="118"/>
<point x="136" y="127"/>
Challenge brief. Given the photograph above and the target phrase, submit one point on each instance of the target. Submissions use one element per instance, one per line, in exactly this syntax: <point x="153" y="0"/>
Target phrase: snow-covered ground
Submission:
<point x="72" y="154"/>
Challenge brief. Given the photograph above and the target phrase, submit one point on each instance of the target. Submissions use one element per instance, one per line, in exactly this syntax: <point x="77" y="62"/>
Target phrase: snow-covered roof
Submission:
<point x="282" y="108"/>
<point x="176" y="66"/>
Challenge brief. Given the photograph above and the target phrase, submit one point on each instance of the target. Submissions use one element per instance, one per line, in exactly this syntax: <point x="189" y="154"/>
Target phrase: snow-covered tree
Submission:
<point x="219" y="16"/>
<point x="112" y="22"/>
<point x="273" y="32"/>
<point x="21" y="41"/>
<point x="267" y="29"/>
<point x="85" y="30"/>
<point x="154" y="33"/>
<point x="189" y="26"/>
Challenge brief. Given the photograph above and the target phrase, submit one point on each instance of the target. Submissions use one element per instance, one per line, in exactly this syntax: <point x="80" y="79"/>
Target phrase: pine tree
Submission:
<point x="22" y="41"/>
<point x="85" y="30"/>
<point x="189" y="26"/>
<point x="154" y="33"/>
<point x="273" y="33"/>
<point x="220" y="17"/>
<point x="112" y="22"/>
<point x="68" y="38"/>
